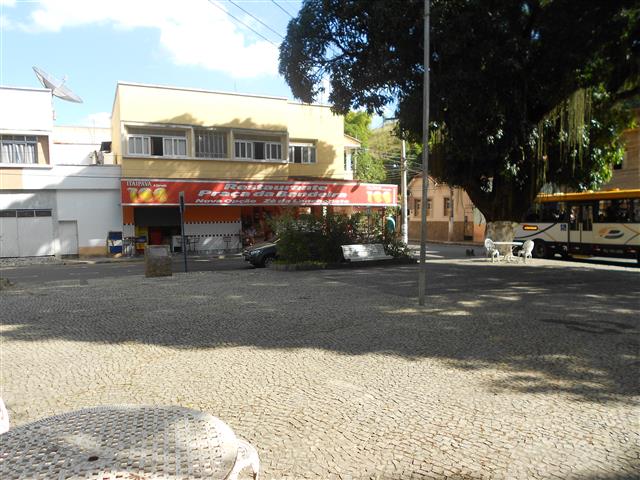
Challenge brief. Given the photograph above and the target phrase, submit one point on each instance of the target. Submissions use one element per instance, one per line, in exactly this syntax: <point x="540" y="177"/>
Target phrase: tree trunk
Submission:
<point x="501" y="231"/>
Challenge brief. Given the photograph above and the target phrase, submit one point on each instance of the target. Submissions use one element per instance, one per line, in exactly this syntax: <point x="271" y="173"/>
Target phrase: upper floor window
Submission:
<point x="18" y="149"/>
<point x="447" y="207"/>
<point x="210" y="144"/>
<point x="255" y="150"/>
<point x="175" y="146"/>
<point x="416" y="207"/>
<point x="244" y="149"/>
<point x="302" y="153"/>
<point x="348" y="160"/>
<point x="157" y="146"/>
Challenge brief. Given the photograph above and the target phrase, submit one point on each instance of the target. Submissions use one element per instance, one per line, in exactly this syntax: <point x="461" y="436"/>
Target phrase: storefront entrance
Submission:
<point x="161" y="223"/>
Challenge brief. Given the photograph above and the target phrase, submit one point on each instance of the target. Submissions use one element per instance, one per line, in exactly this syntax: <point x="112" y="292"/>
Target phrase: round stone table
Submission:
<point x="123" y="442"/>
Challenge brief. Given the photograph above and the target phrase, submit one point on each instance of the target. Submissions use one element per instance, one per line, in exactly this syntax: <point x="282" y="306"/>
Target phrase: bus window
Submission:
<point x="605" y="211"/>
<point x="587" y="217"/>
<point x="574" y="217"/>
<point x="562" y="212"/>
<point x="546" y="212"/>
<point x="625" y="211"/>
<point x="532" y="214"/>
<point x="619" y="211"/>
<point x="553" y="212"/>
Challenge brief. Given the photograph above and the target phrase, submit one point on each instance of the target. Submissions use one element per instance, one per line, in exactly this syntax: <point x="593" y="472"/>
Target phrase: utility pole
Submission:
<point x="451" y="204"/>
<point x="403" y="193"/>
<point x="184" y="238"/>
<point x="422" y="277"/>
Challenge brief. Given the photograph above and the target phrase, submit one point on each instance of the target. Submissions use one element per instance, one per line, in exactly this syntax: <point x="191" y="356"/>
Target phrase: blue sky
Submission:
<point x="96" y="43"/>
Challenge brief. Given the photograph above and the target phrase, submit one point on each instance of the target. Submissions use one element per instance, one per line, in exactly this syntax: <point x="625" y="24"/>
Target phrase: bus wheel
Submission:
<point x="540" y="249"/>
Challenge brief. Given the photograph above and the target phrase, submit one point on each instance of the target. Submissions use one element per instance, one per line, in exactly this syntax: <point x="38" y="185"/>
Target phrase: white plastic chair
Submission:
<point x="526" y="250"/>
<point x="4" y="418"/>
<point x="247" y="457"/>
<point x="491" y="249"/>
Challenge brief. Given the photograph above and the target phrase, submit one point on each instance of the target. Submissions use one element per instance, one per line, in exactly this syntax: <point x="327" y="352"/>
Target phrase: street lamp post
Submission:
<point x="403" y="191"/>
<point x="422" y="276"/>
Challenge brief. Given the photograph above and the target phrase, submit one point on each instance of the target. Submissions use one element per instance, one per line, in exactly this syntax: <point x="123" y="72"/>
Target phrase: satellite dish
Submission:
<point x="56" y="86"/>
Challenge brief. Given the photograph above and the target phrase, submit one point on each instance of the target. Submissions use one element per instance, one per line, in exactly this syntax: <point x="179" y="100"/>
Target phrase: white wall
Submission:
<point x="24" y="110"/>
<point x="74" y="145"/>
<point x="97" y="212"/>
<point x="83" y="177"/>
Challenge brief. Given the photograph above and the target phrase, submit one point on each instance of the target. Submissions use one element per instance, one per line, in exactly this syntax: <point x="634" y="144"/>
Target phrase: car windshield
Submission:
<point x="262" y="244"/>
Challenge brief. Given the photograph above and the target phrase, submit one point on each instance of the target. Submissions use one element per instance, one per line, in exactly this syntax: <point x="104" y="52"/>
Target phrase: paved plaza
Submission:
<point x="509" y="371"/>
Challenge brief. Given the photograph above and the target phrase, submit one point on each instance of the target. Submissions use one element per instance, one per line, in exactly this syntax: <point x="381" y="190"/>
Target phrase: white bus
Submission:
<point x="603" y="224"/>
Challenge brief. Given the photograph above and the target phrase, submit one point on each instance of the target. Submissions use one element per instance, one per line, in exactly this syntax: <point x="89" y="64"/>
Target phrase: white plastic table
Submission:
<point x="508" y="255"/>
<point x="123" y="442"/>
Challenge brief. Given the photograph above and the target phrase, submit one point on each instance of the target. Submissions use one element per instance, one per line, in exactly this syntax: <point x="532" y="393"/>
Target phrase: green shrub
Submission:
<point x="308" y="238"/>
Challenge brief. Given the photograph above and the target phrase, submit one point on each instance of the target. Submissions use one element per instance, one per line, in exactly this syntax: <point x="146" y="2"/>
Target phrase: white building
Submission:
<point x="56" y="195"/>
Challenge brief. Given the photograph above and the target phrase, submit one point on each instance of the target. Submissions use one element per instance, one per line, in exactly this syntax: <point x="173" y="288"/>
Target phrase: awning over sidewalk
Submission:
<point x="288" y="193"/>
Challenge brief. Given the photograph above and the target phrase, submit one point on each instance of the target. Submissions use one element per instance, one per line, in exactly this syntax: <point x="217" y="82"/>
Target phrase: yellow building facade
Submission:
<point x="451" y="215"/>
<point x="237" y="160"/>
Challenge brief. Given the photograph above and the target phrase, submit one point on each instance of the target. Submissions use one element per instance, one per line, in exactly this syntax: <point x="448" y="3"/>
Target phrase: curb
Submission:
<point x="442" y="242"/>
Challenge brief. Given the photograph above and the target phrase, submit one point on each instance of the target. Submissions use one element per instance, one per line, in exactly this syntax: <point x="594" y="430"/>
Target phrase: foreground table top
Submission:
<point x="123" y="442"/>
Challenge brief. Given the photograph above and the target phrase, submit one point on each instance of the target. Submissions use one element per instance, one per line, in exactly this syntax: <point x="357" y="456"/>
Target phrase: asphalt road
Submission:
<point x="42" y="273"/>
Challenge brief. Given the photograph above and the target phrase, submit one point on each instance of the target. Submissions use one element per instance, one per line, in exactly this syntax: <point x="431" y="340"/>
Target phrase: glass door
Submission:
<point x="586" y="227"/>
<point x="580" y="228"/>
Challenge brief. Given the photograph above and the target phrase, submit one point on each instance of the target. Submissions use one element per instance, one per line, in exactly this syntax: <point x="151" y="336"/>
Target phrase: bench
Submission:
<point x="362" y="253"/>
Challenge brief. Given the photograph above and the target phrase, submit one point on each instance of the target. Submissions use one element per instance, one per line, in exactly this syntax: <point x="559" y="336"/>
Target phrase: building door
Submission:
<point x="68" y="231"/>
<point x="35" y="233"/>
<point x="580" y="228"/>
<point x="8" y="234"/>
<point x="468" y="223"/>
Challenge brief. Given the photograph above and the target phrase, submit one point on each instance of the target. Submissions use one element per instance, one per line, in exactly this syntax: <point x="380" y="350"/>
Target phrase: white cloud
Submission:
<point x="5" y="23"/>
<point x="192" y="32"/>
<point x="99" y="119"/>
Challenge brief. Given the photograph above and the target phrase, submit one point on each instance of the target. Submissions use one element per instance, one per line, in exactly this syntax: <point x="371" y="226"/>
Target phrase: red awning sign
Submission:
<point x="166" y="192"/>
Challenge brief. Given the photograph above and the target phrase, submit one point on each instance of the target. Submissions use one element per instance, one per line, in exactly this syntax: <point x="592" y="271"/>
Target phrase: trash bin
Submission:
<point x="157" y="261"/>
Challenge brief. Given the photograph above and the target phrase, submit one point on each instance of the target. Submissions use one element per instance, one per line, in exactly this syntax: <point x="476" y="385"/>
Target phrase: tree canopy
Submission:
<point x="523" y="93"/>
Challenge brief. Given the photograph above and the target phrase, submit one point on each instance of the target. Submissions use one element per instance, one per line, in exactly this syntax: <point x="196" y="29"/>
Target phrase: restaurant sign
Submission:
<point x="293" y="193"/>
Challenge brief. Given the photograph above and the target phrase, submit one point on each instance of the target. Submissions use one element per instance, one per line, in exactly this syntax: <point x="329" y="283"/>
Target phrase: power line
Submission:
<point x="255" y="18"/>
<point x="281" y="8"/>
<point x="241" y="22"/>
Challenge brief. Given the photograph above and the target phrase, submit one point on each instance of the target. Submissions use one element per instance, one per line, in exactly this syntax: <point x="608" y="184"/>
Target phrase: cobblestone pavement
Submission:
<point x="510" y="371"/>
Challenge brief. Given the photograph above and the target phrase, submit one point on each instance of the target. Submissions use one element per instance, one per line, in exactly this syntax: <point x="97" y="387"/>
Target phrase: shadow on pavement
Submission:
<point x="546" y="329"/>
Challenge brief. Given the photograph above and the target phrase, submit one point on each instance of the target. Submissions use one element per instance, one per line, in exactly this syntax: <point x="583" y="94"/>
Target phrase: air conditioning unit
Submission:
<point x="97" y="158"/>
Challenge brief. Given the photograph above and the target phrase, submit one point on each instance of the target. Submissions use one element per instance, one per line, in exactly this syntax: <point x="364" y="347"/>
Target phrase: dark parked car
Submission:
<point x="261" y="255"/>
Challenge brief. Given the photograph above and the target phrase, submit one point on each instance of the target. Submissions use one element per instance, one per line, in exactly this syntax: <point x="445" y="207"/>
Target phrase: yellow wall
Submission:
<point x="43" y="150"/>
<point x="116" y="138"/>
<point x="10" y="179"/>
<point x="214" y="169"/>
<point x="136" y="104"/>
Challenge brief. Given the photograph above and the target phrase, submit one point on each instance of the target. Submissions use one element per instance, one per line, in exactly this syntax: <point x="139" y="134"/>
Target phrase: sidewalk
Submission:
<point x="26" y="261"/>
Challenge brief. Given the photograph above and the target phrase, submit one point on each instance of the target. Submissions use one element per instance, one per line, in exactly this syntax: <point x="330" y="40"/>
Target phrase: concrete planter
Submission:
<point x="285" y="267"/>
<point x="157" y="261"/>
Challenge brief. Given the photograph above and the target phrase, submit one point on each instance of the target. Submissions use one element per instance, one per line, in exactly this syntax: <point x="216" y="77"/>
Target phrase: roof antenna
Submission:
<point x="57" y="87"/>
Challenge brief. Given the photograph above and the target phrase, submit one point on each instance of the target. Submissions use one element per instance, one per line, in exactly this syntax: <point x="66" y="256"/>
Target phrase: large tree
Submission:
<point x="523" y="93"/>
